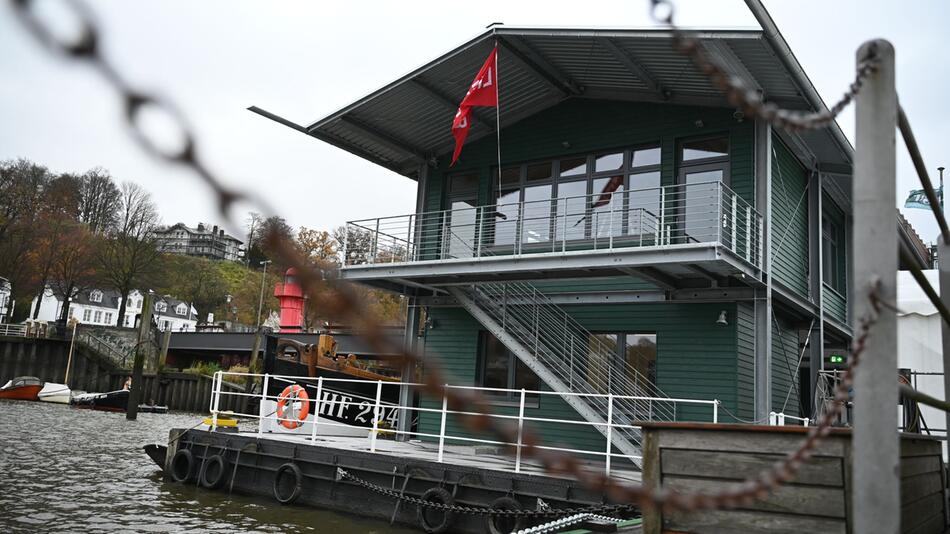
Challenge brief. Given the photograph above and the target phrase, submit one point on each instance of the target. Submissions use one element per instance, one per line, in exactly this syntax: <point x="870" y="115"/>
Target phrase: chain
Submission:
<point x="341" y="302"/>
<point x="749" y="100"/>
<point x="478" y="510"/>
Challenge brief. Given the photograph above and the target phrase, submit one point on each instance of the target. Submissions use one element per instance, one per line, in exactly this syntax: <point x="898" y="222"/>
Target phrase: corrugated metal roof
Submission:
<point x="409" y="120"/>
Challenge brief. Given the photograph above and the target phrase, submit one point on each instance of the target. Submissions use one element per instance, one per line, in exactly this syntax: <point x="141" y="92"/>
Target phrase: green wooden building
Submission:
<point x="641" y="237"/>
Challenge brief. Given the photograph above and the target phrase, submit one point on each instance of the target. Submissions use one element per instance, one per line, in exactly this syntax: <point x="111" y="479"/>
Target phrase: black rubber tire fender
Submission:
<point x="439" y="495"/>
<point x="183" y="465"/>
<point x="294" y="471"/>
<point x="213" y="472"/>
<point x="516" y="522"/>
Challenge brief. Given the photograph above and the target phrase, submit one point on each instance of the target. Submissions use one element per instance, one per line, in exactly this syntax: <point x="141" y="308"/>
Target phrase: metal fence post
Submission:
<point x="943" y="265"/>
<point x="260" y="409"/>
<point x="748" y="234"/>
<point x="316" y="410"/>
<point x="216" y="398"/>
<point x="715" y="411"/>
<point x="379" y="395"/>
<point x="876" y="498"/>
<point x="376" y="241"/>
<point x="445" y="402"/>
<point x="520" y="432"/>
<point x="346" y="242"/>
<point x="610" y="428"/>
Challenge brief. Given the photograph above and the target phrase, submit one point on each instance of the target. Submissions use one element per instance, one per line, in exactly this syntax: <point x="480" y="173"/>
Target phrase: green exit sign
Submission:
<point x="836" y="359"/>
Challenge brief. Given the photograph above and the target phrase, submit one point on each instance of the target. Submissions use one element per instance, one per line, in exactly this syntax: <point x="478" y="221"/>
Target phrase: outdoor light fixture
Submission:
<point x="722" y="319"/>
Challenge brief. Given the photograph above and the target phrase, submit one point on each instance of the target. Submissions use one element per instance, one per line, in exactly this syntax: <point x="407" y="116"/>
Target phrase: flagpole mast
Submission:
<point x="498" y="118"/>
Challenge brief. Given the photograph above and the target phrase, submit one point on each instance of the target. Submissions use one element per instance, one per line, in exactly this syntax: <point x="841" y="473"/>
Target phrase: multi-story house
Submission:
<point x="201" y="241"/>
<point x="100" y="307"/>
<point x="92" y="306"/>
<point x="640" y="237"/>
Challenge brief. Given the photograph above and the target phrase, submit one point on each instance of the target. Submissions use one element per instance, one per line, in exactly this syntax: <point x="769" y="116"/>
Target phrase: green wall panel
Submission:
<point x="789" y="235"/>
<point x="785" y="355"/>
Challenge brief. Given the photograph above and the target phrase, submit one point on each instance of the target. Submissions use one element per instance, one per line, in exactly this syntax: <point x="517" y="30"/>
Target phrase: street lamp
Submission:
<point x="260" y="303"/>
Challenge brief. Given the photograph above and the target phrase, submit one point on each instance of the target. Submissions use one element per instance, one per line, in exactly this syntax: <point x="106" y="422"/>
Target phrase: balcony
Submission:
<point x="670" y="235"/>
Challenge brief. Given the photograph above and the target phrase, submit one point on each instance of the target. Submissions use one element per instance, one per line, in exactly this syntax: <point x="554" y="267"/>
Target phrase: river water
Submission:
<point x="68" y="470"/>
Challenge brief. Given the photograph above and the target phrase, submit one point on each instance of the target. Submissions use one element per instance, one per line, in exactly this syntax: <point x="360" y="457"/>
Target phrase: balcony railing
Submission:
<point x="674" y="215"/>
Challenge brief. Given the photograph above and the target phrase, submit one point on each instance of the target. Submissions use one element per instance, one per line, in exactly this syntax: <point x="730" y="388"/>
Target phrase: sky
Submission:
<point x="306" y="59"/>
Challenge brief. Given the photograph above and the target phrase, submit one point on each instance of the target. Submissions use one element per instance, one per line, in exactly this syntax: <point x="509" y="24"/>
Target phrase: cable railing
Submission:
<point x="310" y="420"/>
<point x="17" y="330"/>
<point x="683" y="214"/>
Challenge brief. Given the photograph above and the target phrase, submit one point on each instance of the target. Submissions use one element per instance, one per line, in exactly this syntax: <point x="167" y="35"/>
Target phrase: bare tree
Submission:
<point x="99" y="200"/>
<point x="130" y="253"/>
<point x="22" y="184"/>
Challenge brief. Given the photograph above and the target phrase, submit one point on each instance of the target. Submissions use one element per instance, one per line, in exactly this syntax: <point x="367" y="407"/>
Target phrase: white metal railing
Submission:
<point x="18" y="330"/>
<point x="445" y="434"/>
<point x="778" y="419"/>
<point x="707" y="212"/>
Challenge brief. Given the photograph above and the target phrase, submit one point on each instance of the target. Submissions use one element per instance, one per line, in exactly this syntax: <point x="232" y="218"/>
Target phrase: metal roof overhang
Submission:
<point x="407" y="123"/>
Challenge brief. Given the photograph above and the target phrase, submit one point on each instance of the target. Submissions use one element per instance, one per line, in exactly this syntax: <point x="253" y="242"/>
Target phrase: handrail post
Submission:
<point x="521" y="214"/>
<point x="610" y="225"/>
<point x="260" y="409"/>
<point x="445" y="405"/>
<point x="610" y="428"/>
<point x="409" y="239"/>
<point x="520" y="432"/>
<point x="564" y="229"/>
<point x="215" y="398"/>
<point x="748" y="236"/>
<point x="480" y="227"/>
<point x="876" y="459"/>
<point x="379" y="395"/>
<point x="316" y="410"/>
<point x="734" y="238"/>
<point x="660" y="230"/>
<point x="376" y="241"/>
<point x="715" y="411"/>
<point x="445" y="234"/>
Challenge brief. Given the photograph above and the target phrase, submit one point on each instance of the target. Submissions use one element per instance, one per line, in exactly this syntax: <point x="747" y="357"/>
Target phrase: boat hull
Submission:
<point x="55" y="393"/>
<point x="113" y="401"/>
<point x="29" y="393"/>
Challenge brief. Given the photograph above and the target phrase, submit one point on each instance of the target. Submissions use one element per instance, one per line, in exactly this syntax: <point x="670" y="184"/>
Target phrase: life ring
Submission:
<point x="296" y="485"/>
<point x="505" y="524"/>
<point x="423" y="513"/>
<point x="213" y="472"/>
<point x="287" y="400"/>
<point x="182" y="465"/>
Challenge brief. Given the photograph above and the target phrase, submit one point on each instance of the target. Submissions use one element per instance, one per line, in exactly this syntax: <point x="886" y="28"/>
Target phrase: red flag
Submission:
<point x="482" y="92"/>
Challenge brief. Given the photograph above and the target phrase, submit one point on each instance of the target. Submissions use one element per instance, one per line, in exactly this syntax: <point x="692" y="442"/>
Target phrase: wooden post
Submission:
<point x="69" y="360"/>
<point x="135" y="393"/>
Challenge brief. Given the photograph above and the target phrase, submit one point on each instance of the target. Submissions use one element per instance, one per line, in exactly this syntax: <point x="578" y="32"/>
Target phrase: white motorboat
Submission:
<point x="58" y="393"/>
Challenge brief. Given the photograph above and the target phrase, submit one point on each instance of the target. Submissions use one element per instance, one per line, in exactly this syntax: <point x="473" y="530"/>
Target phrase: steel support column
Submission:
<point x="816" y="277"/>
<point x="763" y="301"/>
<point x="876" y="497"/>
<point x="408" y="371"/>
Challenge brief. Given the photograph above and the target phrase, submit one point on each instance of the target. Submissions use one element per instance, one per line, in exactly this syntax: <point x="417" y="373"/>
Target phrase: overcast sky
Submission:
<point x="304" y="60"/>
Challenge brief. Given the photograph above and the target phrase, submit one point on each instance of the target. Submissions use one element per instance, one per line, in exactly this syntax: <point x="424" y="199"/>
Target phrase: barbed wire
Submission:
<point x="343" y="303"/>
<point x="748" y="99"/>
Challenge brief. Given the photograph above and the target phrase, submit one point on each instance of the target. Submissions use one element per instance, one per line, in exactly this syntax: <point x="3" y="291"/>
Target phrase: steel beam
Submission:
<point x="763" y="301"/>
<point x="720" y="52"/>
<point x="408" y="370"/>
<point x="541" y="66"/>
<point x="449" y="103"/>
<point x="876" y="497"/>
<point x="384" y="138"/>
<point x="634" y="66"/>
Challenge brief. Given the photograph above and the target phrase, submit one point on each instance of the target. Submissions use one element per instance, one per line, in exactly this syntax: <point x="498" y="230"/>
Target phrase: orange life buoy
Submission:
<point x="287" y="402"/>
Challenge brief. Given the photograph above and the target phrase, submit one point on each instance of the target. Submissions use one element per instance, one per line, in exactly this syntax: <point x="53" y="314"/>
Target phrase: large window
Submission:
<point x="462" y="201"/>
<point x="578" y="197"/>
<point x="622" y="362"/>
<point x="498" y="367"/>
<point x="703" y="164"/>
<point x="831" y="256"/>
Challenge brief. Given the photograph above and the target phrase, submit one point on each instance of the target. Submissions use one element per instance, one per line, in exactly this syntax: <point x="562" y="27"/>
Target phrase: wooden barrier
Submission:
<point x="708" y="458"/>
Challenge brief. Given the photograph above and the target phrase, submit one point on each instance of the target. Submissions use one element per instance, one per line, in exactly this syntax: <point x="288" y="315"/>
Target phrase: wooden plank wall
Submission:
<point x="706" y="458"/>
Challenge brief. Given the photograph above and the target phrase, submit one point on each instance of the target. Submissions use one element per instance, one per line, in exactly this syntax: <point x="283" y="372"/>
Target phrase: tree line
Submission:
<point x="71" y="232"/>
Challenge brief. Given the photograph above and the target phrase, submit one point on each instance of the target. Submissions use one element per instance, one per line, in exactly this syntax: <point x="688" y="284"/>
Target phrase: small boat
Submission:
<point x="113" y="401"/>
<point x="21" y="388"/>
<point x="52" y="392"/>
<point x="157" y="453"/>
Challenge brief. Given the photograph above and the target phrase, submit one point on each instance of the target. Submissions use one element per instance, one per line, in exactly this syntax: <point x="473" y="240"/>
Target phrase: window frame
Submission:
<point x="619" y="356"/>
<point x="498" y="398"/>
<point x="832" y="239"/>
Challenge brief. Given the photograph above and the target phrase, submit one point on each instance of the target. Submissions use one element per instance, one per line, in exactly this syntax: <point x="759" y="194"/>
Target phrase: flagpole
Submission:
<point x="498" y="118"/>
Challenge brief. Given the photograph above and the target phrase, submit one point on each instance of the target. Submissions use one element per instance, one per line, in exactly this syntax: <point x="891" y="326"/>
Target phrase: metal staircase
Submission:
<point x="567" y="358"/>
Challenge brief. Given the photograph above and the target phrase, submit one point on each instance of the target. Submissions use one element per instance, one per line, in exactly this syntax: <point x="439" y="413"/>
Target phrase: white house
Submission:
<point x="5" y="300"/>
<point x="92" y="306"/>
<point x="101" y="307"/>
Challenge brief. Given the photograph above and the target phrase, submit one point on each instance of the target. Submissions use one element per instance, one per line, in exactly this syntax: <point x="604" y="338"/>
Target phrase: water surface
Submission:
<point x="67" y="470"/>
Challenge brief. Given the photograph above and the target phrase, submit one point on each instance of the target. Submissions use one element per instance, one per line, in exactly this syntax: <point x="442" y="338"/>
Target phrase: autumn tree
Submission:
<point x="58" y="212"/>
<point x="22" y="185"/>
<point x="317" y="245"/>
<point x="130" y="253"/>
<point x="99" y="200"/>
<point x="74" y="269"/>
